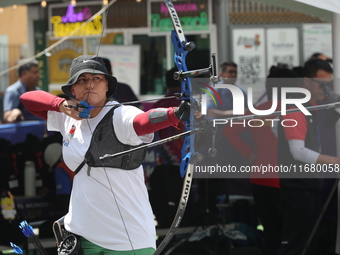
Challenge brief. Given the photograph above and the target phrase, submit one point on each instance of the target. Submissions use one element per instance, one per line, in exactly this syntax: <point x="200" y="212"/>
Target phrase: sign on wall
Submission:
<point x="317" y="38"/>
<point x="125" y="62"/>
<point x="282" y="47"/>
<point x="39" y="46"/>
<point x="64" y="19"/>
<point x="194" y="16"/>
<point x="249" y="55"/>
<point x="110" y="38"/>
<point x="61" y="59"/>
<point x="249" y="52"/>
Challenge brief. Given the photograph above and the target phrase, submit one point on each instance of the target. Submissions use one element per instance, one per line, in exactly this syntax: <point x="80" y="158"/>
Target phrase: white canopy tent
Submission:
<point x="330" y="5"/>
<point x="334" y="7"/>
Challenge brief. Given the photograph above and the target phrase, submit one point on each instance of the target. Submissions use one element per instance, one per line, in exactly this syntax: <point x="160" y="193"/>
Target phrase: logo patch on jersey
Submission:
<point x="70" y="135"/>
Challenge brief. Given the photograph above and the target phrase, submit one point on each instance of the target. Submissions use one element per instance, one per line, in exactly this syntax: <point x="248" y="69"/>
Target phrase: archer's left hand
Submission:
<point x="182" y="112"/>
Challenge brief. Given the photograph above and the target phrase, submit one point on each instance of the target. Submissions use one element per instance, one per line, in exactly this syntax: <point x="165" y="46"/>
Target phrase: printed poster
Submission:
<point x="282" y="47"/>
<point x="249" y="52"/>
<point x="317" y="38"/>
<point x="249" y="55"/>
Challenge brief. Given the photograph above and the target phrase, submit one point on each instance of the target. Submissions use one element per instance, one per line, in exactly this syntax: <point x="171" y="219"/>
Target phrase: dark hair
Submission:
<point x="169" y="78"/>
<point x="27" y="66"/>
<point x="298" y="71"/>
<point x="318" y="54"/>
<point x="226" y="64"/>
<point x="108" y="65"/>
<point x="276" y="79"/>
<point x="315" y="55"/>
<point x="312" y="66"/>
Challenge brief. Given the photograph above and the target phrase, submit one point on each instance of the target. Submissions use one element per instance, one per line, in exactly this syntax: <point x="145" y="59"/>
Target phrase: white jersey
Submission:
<point x="93" y="212"/>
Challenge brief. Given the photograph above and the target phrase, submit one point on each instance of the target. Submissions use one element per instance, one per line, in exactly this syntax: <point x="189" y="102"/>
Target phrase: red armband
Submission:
<point x="154" y="120"/>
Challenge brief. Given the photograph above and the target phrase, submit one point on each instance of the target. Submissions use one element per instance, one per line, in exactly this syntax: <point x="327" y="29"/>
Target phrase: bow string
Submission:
<point x="82" y="105"/>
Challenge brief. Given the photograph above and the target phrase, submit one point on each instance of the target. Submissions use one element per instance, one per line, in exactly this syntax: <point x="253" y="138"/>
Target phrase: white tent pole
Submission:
<point x="336" y="78"/>
<point x="336" y="67"/>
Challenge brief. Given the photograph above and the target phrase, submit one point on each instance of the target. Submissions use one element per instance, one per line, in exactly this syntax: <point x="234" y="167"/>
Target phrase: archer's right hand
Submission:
<point x="72" y="108"/>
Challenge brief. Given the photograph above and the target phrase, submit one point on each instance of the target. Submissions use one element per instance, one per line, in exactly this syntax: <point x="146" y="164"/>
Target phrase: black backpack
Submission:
<point x="8" y="171"/>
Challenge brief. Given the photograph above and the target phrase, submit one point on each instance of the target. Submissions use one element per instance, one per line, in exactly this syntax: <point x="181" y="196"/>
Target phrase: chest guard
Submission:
<point x="104" y="141"/>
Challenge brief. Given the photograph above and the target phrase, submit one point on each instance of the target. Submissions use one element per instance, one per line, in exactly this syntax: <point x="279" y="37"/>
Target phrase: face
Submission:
<point x="91" y="88"/>
<point x="314" y="85"/>
<point x="230" y="73"/>
<point x="31" y="77"/>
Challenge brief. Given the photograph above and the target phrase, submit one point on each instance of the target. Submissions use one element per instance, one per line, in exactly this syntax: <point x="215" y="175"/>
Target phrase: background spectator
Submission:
<point x="28" y="80"/>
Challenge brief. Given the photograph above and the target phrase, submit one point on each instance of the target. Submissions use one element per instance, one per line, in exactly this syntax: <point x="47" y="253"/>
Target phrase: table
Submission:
<point x="17" y="132"/>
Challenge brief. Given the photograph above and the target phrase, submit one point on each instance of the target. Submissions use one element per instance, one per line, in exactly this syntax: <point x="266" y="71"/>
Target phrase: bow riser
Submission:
<point x="179" y="58"/>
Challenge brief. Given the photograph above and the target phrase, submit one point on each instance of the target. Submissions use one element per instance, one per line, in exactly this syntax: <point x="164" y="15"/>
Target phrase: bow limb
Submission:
<point x="180" y="210"/>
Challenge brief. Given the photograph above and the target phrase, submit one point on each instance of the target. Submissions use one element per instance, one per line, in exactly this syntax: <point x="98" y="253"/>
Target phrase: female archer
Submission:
<point x="109" y="206"/>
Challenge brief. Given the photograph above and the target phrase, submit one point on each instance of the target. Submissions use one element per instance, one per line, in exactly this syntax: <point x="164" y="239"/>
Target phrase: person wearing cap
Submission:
<point x="109" y="206"/>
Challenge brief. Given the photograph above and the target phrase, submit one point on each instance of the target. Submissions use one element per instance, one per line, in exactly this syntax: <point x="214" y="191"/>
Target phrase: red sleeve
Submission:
<point x="39" y="102"/>
<point x="233" y="136"/>
<point x="143" y="124"/>
<point x="300" y="130"/>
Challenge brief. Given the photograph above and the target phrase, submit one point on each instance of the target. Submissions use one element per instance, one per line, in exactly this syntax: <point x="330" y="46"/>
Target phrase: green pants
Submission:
<point x="93" y="249"/>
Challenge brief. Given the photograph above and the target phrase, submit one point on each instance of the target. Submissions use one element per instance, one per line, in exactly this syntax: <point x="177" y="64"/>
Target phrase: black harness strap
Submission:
<point x="80" y="167"/>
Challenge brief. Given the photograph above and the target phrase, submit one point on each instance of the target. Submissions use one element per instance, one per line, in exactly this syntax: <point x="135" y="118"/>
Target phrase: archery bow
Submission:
<point x="181" y="49"/>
